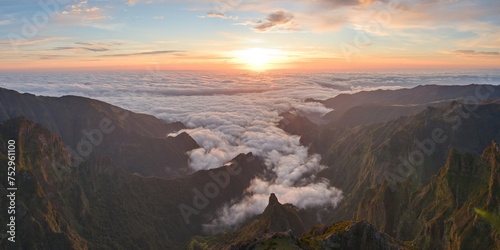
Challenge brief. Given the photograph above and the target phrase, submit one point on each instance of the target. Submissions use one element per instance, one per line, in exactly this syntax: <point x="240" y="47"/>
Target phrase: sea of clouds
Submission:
<point x="229" y="114"/>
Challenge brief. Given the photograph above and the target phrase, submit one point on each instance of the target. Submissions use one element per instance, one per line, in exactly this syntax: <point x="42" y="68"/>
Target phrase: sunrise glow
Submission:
<point x="248" y="35"/>
<point x="258" y="59"/>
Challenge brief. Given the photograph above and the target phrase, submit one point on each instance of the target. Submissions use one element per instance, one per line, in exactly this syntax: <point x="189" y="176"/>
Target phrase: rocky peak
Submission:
<point x="273" y="200"/>
<point x="282" y="217"/>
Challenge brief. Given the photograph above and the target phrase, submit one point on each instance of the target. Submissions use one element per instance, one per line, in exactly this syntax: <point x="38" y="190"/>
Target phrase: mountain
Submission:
<point x="281" y="227"/>
<point x="367" y="107"/>
<point x="426" y="180"/>
<point x="276" y="217"/>
<point x="362" y="154"/>
<point x="91" y="128"/>
<point x="98" y="205"/>
<point x="427" y="177"/>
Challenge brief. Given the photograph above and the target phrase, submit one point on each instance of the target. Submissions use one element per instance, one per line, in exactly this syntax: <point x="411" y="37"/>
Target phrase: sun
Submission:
<point x="258" y="59"/>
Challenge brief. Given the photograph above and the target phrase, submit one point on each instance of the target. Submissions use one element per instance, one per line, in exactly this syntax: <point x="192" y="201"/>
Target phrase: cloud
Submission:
<point x="98" y="44"/>
<point x="22" y="42"/>
<point x="158" y="52"/>
<point x="340" y="3"/>
<point x="84" y="15"/>
<point x="134" y="2"/>
<point x="5" y="22"/>
<point x="159" y="17"/>
<point x="82" y="48"/>
<point x="323" y="21"/>
<point x="314" y="195"/>
<point x="83" y="12"/>
<point x="223" y="135"/>
<point x="474" y="53"/>
<point x="212" y="14"/>
<point x="321" y="15"/>
<point x="432" y="15"/>
<point x="87" y="46"/>
<point x="279" y="19"/>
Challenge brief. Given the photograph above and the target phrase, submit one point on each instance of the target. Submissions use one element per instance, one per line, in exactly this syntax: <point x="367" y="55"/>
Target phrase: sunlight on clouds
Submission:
<point x="84" y="12"/>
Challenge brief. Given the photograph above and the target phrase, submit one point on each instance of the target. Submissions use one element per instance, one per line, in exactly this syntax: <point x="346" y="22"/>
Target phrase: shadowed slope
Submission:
<point x="92" y="128"/>
<point x="98" y="205"/>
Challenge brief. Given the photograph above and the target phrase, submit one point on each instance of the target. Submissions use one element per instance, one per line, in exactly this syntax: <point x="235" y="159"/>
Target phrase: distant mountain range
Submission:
<point x="423" y="175"/>
<point x="368" y="107"/>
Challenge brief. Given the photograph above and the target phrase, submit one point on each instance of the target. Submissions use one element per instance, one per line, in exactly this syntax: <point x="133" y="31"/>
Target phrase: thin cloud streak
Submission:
<point x="159" y="52"/>
<point x="213" y="14"/>
<point x="475" y="53"/>
<point x="81" y="48"/>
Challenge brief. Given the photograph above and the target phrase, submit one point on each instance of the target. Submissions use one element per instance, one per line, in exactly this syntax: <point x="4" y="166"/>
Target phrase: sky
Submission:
<point x="248" y="35"/>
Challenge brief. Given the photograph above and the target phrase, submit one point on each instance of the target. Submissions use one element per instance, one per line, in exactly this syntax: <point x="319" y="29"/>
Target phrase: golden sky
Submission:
<point x="249" y="35"/>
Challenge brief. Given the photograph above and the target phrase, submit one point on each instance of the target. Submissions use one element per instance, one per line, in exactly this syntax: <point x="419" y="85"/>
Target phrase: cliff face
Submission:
<point x="91" y="128"/>
<point x="448" y="207"/>
<point x="98" y="205"/>
<point x="446" y="212"/>
<point x="438" y="211"/>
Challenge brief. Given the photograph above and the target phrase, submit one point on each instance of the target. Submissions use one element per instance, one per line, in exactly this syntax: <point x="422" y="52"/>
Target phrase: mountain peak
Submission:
<point x="491" y="152"/>
<point x="273" y="199"/>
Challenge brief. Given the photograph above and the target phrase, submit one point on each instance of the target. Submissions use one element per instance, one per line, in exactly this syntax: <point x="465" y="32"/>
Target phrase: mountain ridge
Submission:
<point x="367" y="107"/>
<point x="91" y="128"/>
